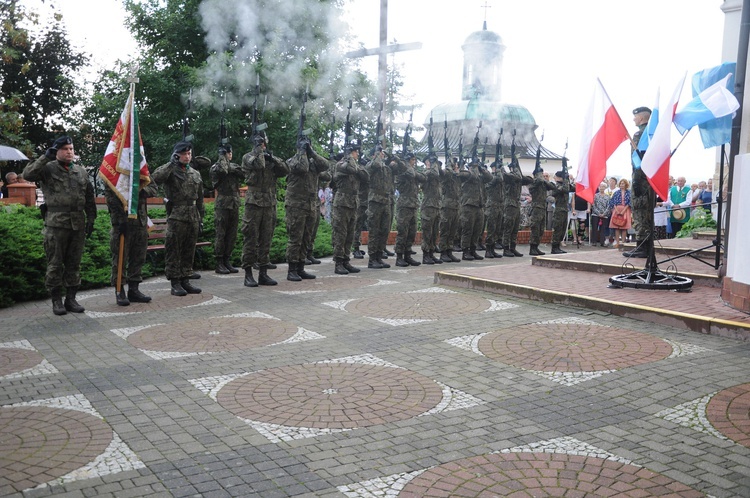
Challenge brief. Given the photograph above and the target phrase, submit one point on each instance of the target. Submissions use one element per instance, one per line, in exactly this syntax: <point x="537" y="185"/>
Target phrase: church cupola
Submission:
<point x="483" y="62"/>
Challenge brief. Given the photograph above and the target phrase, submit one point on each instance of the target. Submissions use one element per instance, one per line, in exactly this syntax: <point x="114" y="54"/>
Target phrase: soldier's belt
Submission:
<point x="259" y="190"/>
<point x="64" y="209"/>
<point x="183" y="203"/>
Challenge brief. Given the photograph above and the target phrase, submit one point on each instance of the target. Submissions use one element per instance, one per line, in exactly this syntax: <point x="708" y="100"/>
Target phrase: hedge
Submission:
<point x="24" y="262"/>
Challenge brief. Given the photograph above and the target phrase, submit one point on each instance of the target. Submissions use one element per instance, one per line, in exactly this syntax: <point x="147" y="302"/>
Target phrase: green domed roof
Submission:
<point x="477" y="110"/>
<point x="483" y="36"/>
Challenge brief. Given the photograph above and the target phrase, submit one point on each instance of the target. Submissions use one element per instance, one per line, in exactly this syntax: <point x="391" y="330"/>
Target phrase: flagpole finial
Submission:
<point x="133" y="77"/>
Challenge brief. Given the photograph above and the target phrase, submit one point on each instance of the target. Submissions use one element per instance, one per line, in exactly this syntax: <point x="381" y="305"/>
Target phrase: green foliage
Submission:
<point x="21" y="255"/>
<point x="699" y="219"/>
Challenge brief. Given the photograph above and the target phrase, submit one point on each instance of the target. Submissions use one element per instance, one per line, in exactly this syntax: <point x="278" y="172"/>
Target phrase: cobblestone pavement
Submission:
<point x="369" y="385"/>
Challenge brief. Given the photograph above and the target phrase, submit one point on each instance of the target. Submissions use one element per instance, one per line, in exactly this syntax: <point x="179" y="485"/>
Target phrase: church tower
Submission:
<point x="483" y="63"/>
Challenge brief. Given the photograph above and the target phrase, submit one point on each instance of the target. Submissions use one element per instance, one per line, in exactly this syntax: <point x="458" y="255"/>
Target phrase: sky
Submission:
<point x="554" y="52"/>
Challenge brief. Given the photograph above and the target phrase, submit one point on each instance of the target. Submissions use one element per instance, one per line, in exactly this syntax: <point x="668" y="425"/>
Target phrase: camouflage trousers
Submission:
<point x="406" y="224"/>
<point x="643" y="215"/>
<point x="226" y="222"/>
<point x="64" y="249"/>
<point x="482" y="221"/>
<point x="559" y="225"/>
<point x="344" y="219"/>
<point x="133" y="255"/>
<point x="258" y="224"/>
<point x="471" y="225"/>
<point x="360" y="224"/>
<point x="299" y="226"/>
<point x="510" y="225"/>
<point x="448" y="228"/>
<point x="430" y="228"/>
<point x="494" y="216"/>
<point x="379" y="223"/>
<point x="537" y="220"/>
<point x="179" y="248"/>
<point x="316" y="223"/>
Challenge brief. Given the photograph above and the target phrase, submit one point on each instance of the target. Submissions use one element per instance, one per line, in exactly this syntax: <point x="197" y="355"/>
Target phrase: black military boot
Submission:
<point x="302" y="273"/>
<point x="340" y="270"/>
<point x="481" y="246"/>
<point x="556" y="249"/>
<point x="177" y="289"/>
<point x="380" y="256"/>
<point x="220" y="267"/>
<point x="70" y="301"/>
<point x="467" y="256"/>
<point x="444" y="257"/>
<point x="436" y="260"/>
<point x="195" y="276"/>
<point x="57" y="303"/>
<point x="410" y="260"/>
<point x="263" y="278"/>
<point x="453" y="258"/>
<point x="249" y="280"/>
<point x="507" y="253"/>
<point x="513" y="250"/>
<point x="311" y="258"/>
<point x="534" y="250"/>
<point x="374" y="263"/>
<point x="400" y="261"/>
<point x="638" y="252"/>
<point x="121" y="298"/>
<point x="228" y="265"/>
<point x="135" y="295"/>
<point x="189" y="288"/>
<point x="270" y="266"/>
<point x="389" y="253"/>
<point x="357" y="253"/>
<point x="291" y="274"/>
<point x="349" y="267"/>
<point x="426" y="259"/>
<point x="489" y="253"/>
<point x="474" y="253"/>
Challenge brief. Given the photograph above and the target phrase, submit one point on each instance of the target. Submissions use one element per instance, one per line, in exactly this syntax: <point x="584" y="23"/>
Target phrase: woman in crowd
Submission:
<point x="621" y="209"/>
<point x="600" y="217"/>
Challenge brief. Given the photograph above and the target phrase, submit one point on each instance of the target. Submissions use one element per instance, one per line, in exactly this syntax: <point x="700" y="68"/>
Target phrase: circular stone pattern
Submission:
<point x="162" y="300"/>
<point x="325" y="283"/>
<point x="418" y="305"/>
<point x="40" y="444"/>
<point x="330" y="395"/>
<point x="14" y="360"/>
<point x="542" y="474"/>
<point x="213" y="335"/>
<point x="572" y="347"/>
<point x="729" y="413"/>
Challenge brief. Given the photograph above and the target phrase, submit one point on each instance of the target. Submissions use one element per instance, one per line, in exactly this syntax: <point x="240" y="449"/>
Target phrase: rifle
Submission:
<point x="186" y="135"/>
<point x="407" y="135"/>
<point x="223" y="125"/>
<point x="565" y="159"/>
<point x="475" y="144"/>
<point x="348" y="129"/>
<point x="301" y="131"/>
<point x="257" y="128"/>
<point x="430" y="141"/>
<point x="446" y="144"/>
<point x="333" y="130"/>
<point x="461" y="147"/>
<point x="538" y="166"/>
<point x="484" y="151"/>
<point x="513" y="161"/>
<point x="499" y="151"/>
<point x="379" y="135"/>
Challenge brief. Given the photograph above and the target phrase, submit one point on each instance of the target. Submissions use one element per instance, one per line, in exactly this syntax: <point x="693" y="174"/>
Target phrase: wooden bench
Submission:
<point x="158" y="233"/>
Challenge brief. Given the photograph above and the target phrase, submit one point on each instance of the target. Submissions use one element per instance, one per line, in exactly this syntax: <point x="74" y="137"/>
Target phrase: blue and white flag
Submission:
<point x="710" y="109"/>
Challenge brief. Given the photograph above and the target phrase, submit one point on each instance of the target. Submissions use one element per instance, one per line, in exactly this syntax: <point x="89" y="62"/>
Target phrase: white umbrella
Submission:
<point x="11" y="154"/>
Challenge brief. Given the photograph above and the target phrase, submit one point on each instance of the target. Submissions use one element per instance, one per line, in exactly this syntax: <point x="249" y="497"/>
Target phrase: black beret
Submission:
<point x="182" y="146"/>
<point x="226" y="147"/>
<point x="63" y="140"/>
<point x="641" y="109"/>
<point x="561" y="174"/>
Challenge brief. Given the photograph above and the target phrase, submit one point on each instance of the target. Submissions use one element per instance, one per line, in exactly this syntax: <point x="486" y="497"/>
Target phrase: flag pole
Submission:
<point x="679" y="143"/>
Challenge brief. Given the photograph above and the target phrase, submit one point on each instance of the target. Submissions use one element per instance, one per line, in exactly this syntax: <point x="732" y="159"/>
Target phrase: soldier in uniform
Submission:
<point x="494" y="211"/>
<point x="472" y="177"/>
<point x="183" y="186"/>
<point x="538" y="190"/>
<point x="643" y="195"/>
<point x="407" y="184"/>
<point x="430" y="211"/>
<point x="68" y="195"/>
<point x="379" y="207"/>
<point x="361" y="223"/>
<point x="302" y="206"/>
<point x="324" y="178"/>
<point x="261" y="170"/>
<point x="562" y="189"/>
<point x="135" y="246"/>
<point x="347" y="177"/>
<point x="450" y="187"/>
<point x="226" y="177"/>
<point x="514" y="180"/>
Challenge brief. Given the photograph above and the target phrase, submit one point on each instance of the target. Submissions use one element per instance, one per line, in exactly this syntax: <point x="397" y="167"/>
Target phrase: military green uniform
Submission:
<point x="261" y="171"/>
<point x="514" y="180"/>
<point x="643" y="199"/>
<point x="450" y="187"/>
<point x="136" y="234"/>
<point x="430" y="211"/>
<point x="538" y="190"/>
<point x="379" y="206"/>
<point x="472" y="178"/>
<point x="407" y="181"/>
<point x="347" y="177"/>
<point x="226" y="178"/>
<point x="183" y="187"/>
<point x="361" y="222"/>
<point x="494" y="209"/>
<point x="560" y="215"/>
<point x="71" y="211"/>
<point x="302" y="203"/>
